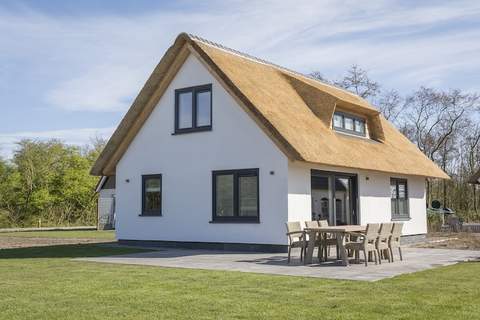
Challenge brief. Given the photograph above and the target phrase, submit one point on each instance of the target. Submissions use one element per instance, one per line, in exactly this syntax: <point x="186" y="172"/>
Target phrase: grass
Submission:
<point x="44" y="283"/>
<point x="73" y="234"/>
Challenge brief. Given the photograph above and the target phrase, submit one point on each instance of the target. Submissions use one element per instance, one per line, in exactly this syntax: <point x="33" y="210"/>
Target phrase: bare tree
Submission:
<point x="389" y="105"/>
<point x="434" y="119"/>
<point x="358" y="81"/>
<point x="319" y="76"/>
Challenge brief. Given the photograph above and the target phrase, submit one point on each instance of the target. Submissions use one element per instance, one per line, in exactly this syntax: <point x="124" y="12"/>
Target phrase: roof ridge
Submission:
<point x="266" y="62"/>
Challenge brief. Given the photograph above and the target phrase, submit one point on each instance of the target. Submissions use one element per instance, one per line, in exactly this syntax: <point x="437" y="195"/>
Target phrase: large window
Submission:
<point x="235" y="196"/>
<point x="152" y="195"/>
<point x="193" y="109"/>
<point x="348" y="123"/>
<point x="399" y="199"/>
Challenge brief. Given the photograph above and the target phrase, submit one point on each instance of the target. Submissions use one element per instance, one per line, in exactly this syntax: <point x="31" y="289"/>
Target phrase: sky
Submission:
<point x="70" y="69"/>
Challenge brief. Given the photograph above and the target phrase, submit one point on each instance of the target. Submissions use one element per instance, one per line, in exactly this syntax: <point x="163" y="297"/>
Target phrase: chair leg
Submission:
<point x="365" y="257"/>
<point x="400" y="252"/>
<point x="391" y="253"/>
<point x="379" y="256"/>
<point x="386" y="254"/>
<point x="376" y="256"/>
<point x="289" y="251"/>
<point x="301" y="253"/>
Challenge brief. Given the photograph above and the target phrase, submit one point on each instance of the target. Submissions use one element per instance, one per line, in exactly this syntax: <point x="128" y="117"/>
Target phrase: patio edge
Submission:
<point x="220" y="246"/>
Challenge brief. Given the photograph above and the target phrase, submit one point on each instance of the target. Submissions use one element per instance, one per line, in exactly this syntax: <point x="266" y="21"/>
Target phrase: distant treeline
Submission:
<point x="48" y="183"/>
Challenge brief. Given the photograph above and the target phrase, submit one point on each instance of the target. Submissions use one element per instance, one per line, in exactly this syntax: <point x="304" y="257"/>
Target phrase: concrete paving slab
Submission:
<point x="415" y="259"/>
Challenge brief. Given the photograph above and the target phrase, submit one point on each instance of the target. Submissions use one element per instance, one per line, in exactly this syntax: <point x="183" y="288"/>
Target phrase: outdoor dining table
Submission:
<point x="340" y="233"/>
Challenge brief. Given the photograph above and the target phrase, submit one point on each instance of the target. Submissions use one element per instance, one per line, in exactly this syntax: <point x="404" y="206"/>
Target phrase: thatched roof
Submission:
<point x="293" y="109"/>
<point x="475" y="179"/>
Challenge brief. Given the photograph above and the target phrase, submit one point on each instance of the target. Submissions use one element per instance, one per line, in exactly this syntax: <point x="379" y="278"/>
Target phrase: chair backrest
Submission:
<point x="371" y="233"/>
<point x="311" y="224"/>
<point x="291" y="227"/>
<point x="323" y="223"/>
<point x="397" y="230"/>
<point x="385" y="231"/>
<point x="294" y="226"/>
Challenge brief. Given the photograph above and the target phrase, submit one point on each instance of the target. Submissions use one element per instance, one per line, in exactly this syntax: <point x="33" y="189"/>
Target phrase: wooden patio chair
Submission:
<point x="365" y="242"/>
<point x="329" y="241"/>
<point x="296" y="238"/>
<point x="383" y="240"/>
<point x="394" y="241"/>
<point x="311" y="224"/>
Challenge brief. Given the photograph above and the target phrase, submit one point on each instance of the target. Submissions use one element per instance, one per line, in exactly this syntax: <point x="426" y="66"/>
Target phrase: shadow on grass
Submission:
<point x="65" y="251"/>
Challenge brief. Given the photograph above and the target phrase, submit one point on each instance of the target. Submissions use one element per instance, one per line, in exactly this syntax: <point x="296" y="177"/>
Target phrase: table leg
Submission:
<point x="321" y="247"/>
<point x="325" y="247"/>
<point x="341" y="248"/>
<point x="311" y="246"/>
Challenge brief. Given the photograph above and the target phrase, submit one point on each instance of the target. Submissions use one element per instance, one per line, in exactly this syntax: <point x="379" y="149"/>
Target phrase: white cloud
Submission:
<point x="99" y="63"/>
<point x="77" y="137"/>
<point x="102" y="88"/>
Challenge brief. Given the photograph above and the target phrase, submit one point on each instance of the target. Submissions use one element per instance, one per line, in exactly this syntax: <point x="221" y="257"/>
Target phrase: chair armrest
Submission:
<point x="295" y="232"/>
<point x="359" y="235"/>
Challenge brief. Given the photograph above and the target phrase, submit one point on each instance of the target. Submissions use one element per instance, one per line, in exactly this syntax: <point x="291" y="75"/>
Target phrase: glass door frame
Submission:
<point x="353" y="184"/>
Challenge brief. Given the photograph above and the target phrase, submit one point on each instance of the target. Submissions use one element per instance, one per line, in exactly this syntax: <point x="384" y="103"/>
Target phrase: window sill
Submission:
<point x="191" y="130"/>
<point x="150" y="215"/>
<point x="401" y="219"/>
<point x="253" y="221"/>
<point x="351" y="132"/>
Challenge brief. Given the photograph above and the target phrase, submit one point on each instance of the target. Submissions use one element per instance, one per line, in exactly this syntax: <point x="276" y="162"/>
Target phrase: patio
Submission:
<point x="415" y="259"/>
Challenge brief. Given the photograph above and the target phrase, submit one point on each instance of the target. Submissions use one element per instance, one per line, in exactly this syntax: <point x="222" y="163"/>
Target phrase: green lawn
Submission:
<point x="74" y="234"/>
<point x="44" y="283"/>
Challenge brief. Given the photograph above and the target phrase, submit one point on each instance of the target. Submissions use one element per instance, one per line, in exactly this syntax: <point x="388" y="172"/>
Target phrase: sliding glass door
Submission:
<point x="334" y="197"/>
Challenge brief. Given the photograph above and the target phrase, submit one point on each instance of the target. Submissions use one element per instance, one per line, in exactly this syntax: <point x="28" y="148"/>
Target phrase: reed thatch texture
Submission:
<point x="294" y="110"/>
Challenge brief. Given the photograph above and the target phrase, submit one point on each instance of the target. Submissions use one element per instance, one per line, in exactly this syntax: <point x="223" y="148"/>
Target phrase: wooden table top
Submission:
<point x="341" y="229"/>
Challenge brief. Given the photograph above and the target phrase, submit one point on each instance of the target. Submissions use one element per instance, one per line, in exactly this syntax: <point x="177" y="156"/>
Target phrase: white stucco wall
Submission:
<point x="374" y="196"/>
<point x="186" y="163"/>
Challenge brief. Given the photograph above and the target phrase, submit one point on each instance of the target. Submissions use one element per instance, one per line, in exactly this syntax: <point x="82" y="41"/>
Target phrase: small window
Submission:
<point x="152" y="195"/>
<point x="193" y="109"/>
<point x="338" y="121"/>
<point x="185" y="112"/>
<point x="235" y="196"/>
<point x="399" y="199"/>
<point x="360" y="126"/>
<point x="348" y="123"/>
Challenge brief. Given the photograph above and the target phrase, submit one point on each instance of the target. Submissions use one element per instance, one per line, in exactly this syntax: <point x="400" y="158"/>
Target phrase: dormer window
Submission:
<point x="193" y="109"/>
<point x="348" y="123"/>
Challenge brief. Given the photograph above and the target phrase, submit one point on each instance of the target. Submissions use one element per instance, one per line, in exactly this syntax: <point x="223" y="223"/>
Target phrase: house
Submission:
<point x="220" y="149"/>
<point x="106" y="203"/>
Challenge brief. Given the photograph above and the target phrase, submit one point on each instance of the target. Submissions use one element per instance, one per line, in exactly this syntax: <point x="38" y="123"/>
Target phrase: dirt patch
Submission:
<point x="460" y="240"/>
<point x="19" y="242"/>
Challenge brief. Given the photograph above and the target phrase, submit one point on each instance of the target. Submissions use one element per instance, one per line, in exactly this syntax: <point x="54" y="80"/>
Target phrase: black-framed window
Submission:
<point x="235" y="196"/>
<point x="152" y="195"/>
<point x="399" y="198"/>
<point x="193" y="109"/>
<point x="349" y="123"/>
